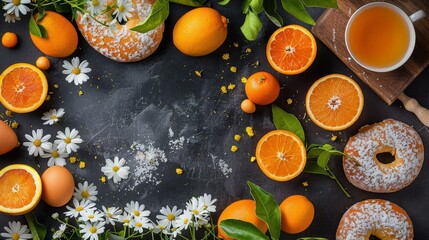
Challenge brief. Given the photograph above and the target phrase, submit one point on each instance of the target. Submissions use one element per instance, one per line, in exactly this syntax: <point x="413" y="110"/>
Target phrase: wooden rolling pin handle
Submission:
<point x="413" y="106"/>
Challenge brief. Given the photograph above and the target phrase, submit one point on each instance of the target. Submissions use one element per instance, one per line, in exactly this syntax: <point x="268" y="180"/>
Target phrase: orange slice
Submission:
<point x="334" y="102"/>
<point x="291" y="49"/>
<point x="20" y="189"/>
<point x="281" y="155"/>
<point x="23" y="88"/>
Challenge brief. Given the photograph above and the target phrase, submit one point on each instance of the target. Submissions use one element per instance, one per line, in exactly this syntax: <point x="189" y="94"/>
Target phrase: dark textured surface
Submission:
<point x="140" y="102"/>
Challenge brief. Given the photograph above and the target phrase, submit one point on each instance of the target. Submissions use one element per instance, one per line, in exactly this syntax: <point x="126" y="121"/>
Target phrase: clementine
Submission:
<point x="200" y="31"/>
<point x="20" y="189"/>
<point x="262" y="88"/>
<point x="244" y="210"/>
<point x="9" y="39"/>
<point x="62" y="37"/>
<point x="43" y="63"/>
<point x="248" y="106"/>
<point x="291" y="49"/>
<point x="297" y="214"/>
<point x="334" y="102"/>
<point x="281" y="155"/>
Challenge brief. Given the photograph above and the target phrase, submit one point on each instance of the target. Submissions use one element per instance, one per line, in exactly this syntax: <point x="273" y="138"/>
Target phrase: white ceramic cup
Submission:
<point x="409" y="22"/>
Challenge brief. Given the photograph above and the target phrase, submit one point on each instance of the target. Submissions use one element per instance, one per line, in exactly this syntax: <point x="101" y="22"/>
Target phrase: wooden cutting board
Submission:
<point x="330" y="29"/>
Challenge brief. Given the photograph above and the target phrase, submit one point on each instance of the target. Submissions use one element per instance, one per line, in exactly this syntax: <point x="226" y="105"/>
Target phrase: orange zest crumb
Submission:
<point x="249" y="131"/>
<point x="225" y="56"/>
<point x="9" y="113"/>
<point x="333" y="138"/>
<point x="72" y="159"/>
<point x="179" y="171"/>
<point x="14" y="124"/>
<point x="231" y="86"/>
<point x="234" y="148"/>
<point x="237" y="137"/>
<point x="236" y="44"/>
<point x="289" y="101"/>
<point x="252" y="159"/>
<point x="233" y="69"/>
<point x="80" y="92"/>
<point x="248" y="50"/>
<point x="223" y="89"/>
<point x="305" y="184"/>
<point x="198" y="73"/>
<point x="56" y="85"/>
<point x="82" y="164"/>
<point x="103" y="179"/>
<point x="243" y="79"/>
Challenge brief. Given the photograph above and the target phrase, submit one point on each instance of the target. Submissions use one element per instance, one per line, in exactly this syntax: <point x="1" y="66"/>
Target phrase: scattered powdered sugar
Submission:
<point x="388" y="136"/>
<point x="221" y="165"/>
<point x="147" y="159"/>
<point x="374" y="215"/>
<point x="170" y="133"/>
<point x="176" y="144"/>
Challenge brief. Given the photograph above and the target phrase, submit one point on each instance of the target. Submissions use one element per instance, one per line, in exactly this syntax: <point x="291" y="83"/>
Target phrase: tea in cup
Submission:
<point x="380" y="36"/>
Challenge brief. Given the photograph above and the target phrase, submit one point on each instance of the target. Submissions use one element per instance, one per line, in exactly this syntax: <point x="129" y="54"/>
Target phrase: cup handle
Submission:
<point x="417" y="15"/>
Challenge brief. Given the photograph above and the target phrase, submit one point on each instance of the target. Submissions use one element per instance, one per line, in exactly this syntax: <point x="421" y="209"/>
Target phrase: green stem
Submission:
<point x="338" y="182"/>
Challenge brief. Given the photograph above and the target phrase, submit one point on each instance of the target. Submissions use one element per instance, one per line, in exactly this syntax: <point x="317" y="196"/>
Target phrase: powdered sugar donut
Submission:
<point x="376" y="217"/>
<point x="391" y="136"/>
<point x="123" y="45"/>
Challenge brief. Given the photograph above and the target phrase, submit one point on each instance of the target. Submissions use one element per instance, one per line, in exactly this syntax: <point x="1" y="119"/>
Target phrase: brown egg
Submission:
<point x="57" y="186"/>
<point x="8" y="138"/>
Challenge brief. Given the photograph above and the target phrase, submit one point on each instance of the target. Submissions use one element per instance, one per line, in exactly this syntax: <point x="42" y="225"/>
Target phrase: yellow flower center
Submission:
<point x="93" y="229"/>
<point x="121" y="8"/>
<point x="76" y="71"/>
<point x="205" y="207"/>
<point x="137" y="213"/>
<point x="186" y="221"/>
<point x="67" y="140"/>
<point x="115" y="168"/>
<point x="90" y="216"/>
<point x="139" y="224"/>
<point x="55" y="154"/>
<point x="195" y="211"/>
<point x="95" y="3"/>
<point x="161" y="227"/>
<point x="126" y="220"/>
<point x="109" y="214"/>
<point x="78" y="209"/>
<point x="171" y="217"/>
<point x="54" y="118"/>
<point x="85" y="194"/>
<point x="37" y="142"/>
<point x="16" y="3"/>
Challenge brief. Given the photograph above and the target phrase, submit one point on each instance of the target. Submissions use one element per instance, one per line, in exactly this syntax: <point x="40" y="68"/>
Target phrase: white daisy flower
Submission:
<point x="207" y="202"/>
<point x="56" y="157"/>
<point x="11" y="18"/>
<point x="137" y="210"/>
<point x="90" y="230"/>
<point x="113" y="27"/>
<point x="68" y="140"/>
<point x="140" y="223"/>
<point x="59" y="233"/>
<point x="174" y="232"/>
<point x="37" y="143"/>
<point x="76" y="71"/>
<point x="161" y="226"/>
<point x="55" y="215"/>
<point x="125" y="218"/>
<point x="16" y="231"/>
<point x="95" y="7"/>
<point x="111" y="214"/>
<point x="52" y="116"/>
<point x="115" y="169"/>
<point x="168" y="215"/>
<point x="183" y="220"/>
<point x="16" y="6"/>
<point x="196" y="208"/>
<point x="85" y="191"/>
<point x="78" y="207"/>
<point x="123" y="11"/>
<point x="91" y="215"/>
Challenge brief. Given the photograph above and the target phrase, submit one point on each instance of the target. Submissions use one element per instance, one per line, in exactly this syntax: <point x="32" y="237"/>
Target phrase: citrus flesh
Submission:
<point x="281" y="155"/>
<point x="291" y="49"/>
<point x="23" y="88"/>
<point x="20" y="189"/>
<point x="334" y="102"/>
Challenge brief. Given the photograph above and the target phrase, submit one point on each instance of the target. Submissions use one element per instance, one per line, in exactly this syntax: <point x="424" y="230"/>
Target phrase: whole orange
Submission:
<point x="200" y="31"/>
<point x="248" y="106"/>
<point x="262" y="88"/>
<point x="62" y="36"/>
<point x="9" y="39"/>
<point x="297" y="213"/>
<point x="244" y="210"/>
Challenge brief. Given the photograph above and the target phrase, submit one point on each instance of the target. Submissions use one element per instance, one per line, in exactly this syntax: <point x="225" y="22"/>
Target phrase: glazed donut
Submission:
<point x="123" y="45"/>
<point x="376" y="217"/>
<point x="366" y="172"/>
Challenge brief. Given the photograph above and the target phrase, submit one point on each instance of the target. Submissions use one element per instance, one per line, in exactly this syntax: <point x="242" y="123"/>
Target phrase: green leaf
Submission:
<point x="158" y="14"/>
<point x="323" y="159"/>
<point x="40" y="15"/>
<point x="314" y="146"/>
<point x="224" y="2"/>
<point x="297" y="9"/>
<point x="314" y="152"/>
<point x="38" y="231"/>
<point x="312" y="167"/>
<point x="270" y="7"/>
<point x="36" y="29"/>
<point x="251" y="26"/>
<point x="111" y="236"/>
<point x="245" y="7"/>
<point x="242" y="230"/>
<point x="321" y="3"/>
<point x="267" y="209"/>
<point x="257" y="6"/>
<point x="191" y="3"/>
<point x="287" y="121"/>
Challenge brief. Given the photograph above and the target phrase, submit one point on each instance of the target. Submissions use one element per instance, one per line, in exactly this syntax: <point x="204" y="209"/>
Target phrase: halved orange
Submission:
<point x="23" y="88"/>
<point x="334" y="102"/>
<point x="281" y="155"/>
<point x="291" y="49"/>
<point x="20" y="189"/>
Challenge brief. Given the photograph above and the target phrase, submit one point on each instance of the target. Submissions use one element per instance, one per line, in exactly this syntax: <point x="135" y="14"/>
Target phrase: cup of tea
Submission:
<point x="380" y="36"/>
